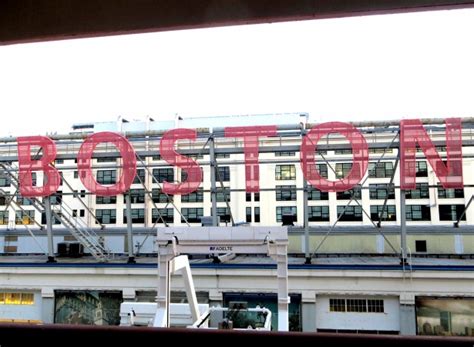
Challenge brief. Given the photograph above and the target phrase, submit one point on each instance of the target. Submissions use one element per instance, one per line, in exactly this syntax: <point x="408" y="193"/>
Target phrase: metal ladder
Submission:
<point x="86" y="236"/>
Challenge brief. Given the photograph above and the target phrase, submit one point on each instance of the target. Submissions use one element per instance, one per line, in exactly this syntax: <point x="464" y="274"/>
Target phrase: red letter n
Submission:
<point x="251" y="136"/>
<point x="28" y="165"/>
<point x="84" y="163"/>
<point x="360" y="155"/>
<point x="188" y="165"/>
<point x="413" y="132"/>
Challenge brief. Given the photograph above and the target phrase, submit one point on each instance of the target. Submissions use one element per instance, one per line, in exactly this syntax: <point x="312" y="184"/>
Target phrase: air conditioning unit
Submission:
<point x="70" y="249"/>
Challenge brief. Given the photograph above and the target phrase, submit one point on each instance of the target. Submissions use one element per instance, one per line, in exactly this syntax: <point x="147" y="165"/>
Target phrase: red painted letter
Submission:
<point x="360" y="155"/>
<point x="251" y="136"/>
<point x="413" y="132"/>
<point x="188" y="165"/>
<point x="84" y="163"/>
<point x="28" y="165"/>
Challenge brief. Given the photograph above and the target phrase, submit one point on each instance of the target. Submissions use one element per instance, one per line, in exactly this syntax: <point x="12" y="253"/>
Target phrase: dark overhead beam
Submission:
<point x="41" y="20"/>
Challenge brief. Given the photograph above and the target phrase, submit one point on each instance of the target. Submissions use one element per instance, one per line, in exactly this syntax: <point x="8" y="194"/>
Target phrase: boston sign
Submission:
<point x="412" y="133"/>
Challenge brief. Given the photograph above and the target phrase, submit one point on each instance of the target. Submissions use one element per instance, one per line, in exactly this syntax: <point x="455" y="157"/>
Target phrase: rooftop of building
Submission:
<point x="327" y="262"/>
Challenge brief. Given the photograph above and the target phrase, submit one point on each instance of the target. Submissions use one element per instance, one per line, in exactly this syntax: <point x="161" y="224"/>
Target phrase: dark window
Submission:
<point x="106" y="176"/>
<point x="106" y="216"/>
<point x="137" y="196"/>
<point x="248" y="214"/>
<point x="381" y="191"/>
<point x="356" y="305"/>
<point x="223" y="174"/>
<point x="286" y="210"/>
<point x="196" y="196"/>
<point x="351" y="213"/>
<point x="23" y="201"/>
<point x="343" y="169"/>
<point x="224" y="214"/>
<point x="285" y="172"/>
<point x="76" y="174"/>
<point x="166" y="213"/>
<point x="343" y="151"/>
<point x="421" y="169"/>
<point x="375" y="306"/>
<point x="103" y="200"/>
<point x="106" y="160"/>
<point x="348" y="194"/>
<point x="222" y="196"/>
<point x="158" y="196"/>
<point x="82" y="213"/>
<point x="388" y="215"/>
<point x="56" y="198"/>
<point x="184" y="175"/>
<point x="256" y="212"/>
<point x="222" y="155"/>
<point x="156" y="157"/>
<point x="451" y="212"/>
<point x="323" y="170"/>
<point x="380" y="170"/>
<point x="137" y="214"/>
<point x="318" y="213"/>
<point x="337" y="305"/>
<point x="256" y="197"/>
<point x="59" y="161"/>
<point x="164" y="174"/>
<point x="193" y="215"/>
<point x="248" y="196"/>
<point x="450" y="193"/>
<point x="422" y="191"/>
<point x="315" y="194"/>
<point x="420" y="246"/>
<point x="54" y="220"/>
<point x="418" y="213"/>
<point x="139" y="176"/>
<point x="4" y="181"/>
<point x="285" y="154"/>
<point x="285" y="193"/>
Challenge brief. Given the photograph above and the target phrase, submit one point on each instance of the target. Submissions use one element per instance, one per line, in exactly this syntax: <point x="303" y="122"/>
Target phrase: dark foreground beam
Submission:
<point x="61" y="335"/>
<point x="40" y="20"/>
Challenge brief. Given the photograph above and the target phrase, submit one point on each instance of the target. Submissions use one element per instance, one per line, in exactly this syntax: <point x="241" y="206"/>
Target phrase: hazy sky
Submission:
<point x="390" y="66"/>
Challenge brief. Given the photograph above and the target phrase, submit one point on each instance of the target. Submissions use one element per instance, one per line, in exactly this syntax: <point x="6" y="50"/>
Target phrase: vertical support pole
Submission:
<point x="49" y="228"/>
<point x="279" y="253"/>
<point x="306" y="222"/>
<point x="403" y="229"/>
<point x="128" y="211"/>
<point x="162" y="317"/>
<point x="212" y="159"/>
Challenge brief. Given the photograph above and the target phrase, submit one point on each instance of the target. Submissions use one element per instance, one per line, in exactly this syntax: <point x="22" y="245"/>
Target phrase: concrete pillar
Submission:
<point x="47" y="305"/>
<point x="308" y="311"/>
<point x="129" y="294"/>
<point x="407" y="314"/>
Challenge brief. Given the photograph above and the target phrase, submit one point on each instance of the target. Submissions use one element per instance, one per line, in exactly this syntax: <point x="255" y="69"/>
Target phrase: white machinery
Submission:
<point x="174" y="241"/>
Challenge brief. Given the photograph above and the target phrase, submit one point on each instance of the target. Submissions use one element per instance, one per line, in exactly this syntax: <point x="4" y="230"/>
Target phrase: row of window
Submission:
<point x="277" y="154"/>
<point x="315" y="214"/>
<point x="282" y="173"/>
<point x="282" y="193"/>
